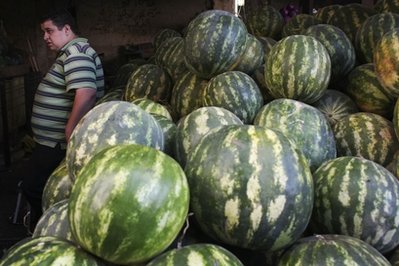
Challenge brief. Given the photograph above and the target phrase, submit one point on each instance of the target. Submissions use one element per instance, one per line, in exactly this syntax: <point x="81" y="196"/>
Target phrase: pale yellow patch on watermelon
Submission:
<point x="194" y="258"/>
<point x="232" y="213"/>
<point x="344" y="195"/>
<point x="67" y="257"/>
<point x="275" y="208"/>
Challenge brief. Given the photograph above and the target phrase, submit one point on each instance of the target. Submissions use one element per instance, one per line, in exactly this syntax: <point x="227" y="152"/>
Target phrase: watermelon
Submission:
<point x="265" y="21"/>
<point x="108" y="124"/>
<point x="58" y="186"/>
<point x="357" y="197"/>
<point x="149" y="81"/>
<point x="197" y="254"/>
<point x="396" y="118"/>
<point x="259" y="77"/>
<point x="54" y="222"/>
<point x="299" y="24"/>
<point x="367" y="92"/>
<point x="124" y="72"/>
<point x="236" y="92"/>
<point x="332" y="250"/>
<point x="169" y="129"/>
<point x="214" y="43"/>
<point x="302" y="123"/>
<point x="113" y="95"/>
<point x="163" y="35"/>
<point x="191" y="128"/>
<point x="253" y="56"/>
<point x="130" y="209"/>
<point x="326" y="12"/>
<point x="170" y="56"/>
<point x="187" y="94"/>
<point x="371" y="31"/>
<point x="350" y="17"/>
<point x="152" y="107"/>
<point x="48" y="250"/>
<point x="250" y="187"/>
<point x="339" y="47"/>
<point x="386" y="61"/>
<point x="367" y="135"/>
<point x="267" y="44"/>
<point x="335" y="105"/>
<point x="387" y="6"/>
<point x="298" y="67"/>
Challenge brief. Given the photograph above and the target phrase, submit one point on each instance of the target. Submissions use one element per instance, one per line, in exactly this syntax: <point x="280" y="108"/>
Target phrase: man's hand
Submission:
<point x="85" y="99"/>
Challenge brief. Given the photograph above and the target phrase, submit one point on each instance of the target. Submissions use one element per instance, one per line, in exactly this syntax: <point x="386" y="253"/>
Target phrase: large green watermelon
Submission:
<point x="332" y="250"/>
<point x="386" y="61"/>
<point x="367" y="135"/>
<point x="54" y="222"/>
<point x="236" y="92"/>
<point x="128" y="204"/>
<point x="299" y="24"/>
<point x="359" y="198"/>
<point x="298" y="67"/>
<point x="197" y="255"/>
<point x="58" y="186"/>
<point x="214" y="43"/>
<point x="265" y="21"/>
<point x="191" y="128"/>
<point x="48" y="250"/>
<point x="302" y="123"/>
<point x="250" y="187"/>
<point x="108" y="124"/>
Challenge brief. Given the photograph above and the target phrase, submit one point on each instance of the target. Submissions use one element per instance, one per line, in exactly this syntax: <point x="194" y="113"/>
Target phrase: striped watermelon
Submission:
<point x="357" y="197"/>
<point x="124" y="72"/>
<point x="326" y="12"/>
<point x="367" y="92"/>
<point x="253" y="56"/>
<point x="302" y="123"/>
<point x="339" y="47"/>
<point x="58" y="186"/>
<point x="396" y="118"/>
<point x="371" y="31"/>
<point x="113" y="95"/>
<point x="335" y="105"/>
<point x="267" y="44"/>
<point x="170" y="56"/>
<point x="214" y="43"/>
<point x="298" y="67"/>
<point x="128" y="203"/>
<point x="387" y="6"/>
<point x="350" y="17"/>
<point x="367" y="135"/>
<point x="197" y="254"/>
<point x="250" y="187"/>
<point x="187" y="94"/>
<point x="149" y="81"/>
<point x="109" y="124"/>
<point x="54" y="222"/>
<point x="191" y="128"/>
<point x="48" y="250"/>
<point x="169" y="129"/>
<point x="332" y="250"/>
<point x="266" y="21"/>
<point x="163" y="35"/>
<point x="386" y="61"/>
<point x="236" y="92"/>
<point x="152" y="107"/>
<point x="299" y="24"/>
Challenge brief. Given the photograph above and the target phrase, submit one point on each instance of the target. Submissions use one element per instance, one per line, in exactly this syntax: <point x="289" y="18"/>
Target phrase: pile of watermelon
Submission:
<point x="245" y="140"/>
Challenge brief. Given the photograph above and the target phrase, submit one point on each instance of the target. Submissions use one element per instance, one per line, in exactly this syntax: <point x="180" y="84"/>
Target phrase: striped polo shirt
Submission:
<point x="76" y="66"/>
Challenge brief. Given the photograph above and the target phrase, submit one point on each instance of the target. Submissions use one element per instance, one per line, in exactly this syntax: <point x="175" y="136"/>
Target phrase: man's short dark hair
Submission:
<point x="60" y="18"/>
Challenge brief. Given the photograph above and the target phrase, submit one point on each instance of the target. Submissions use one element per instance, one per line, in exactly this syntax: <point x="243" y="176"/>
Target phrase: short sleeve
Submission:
<point x="80" y="72"/>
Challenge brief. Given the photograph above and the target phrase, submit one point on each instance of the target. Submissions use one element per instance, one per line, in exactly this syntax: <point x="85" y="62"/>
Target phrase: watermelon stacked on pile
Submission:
<point x="246" y="141"/>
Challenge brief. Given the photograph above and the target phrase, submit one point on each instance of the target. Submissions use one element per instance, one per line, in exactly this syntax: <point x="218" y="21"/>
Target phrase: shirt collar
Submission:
<point x="72" y="42"/>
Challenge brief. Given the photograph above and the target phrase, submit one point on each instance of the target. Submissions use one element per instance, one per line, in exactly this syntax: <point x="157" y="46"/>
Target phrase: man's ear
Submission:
<point x="67" y="29"/>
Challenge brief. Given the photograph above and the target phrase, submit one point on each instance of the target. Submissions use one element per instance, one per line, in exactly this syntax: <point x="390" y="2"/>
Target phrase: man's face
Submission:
<point x="55" y="38"/>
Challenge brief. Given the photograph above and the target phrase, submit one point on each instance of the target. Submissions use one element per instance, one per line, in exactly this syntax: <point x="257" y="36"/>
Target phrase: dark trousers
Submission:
<point x="37" y="170"/>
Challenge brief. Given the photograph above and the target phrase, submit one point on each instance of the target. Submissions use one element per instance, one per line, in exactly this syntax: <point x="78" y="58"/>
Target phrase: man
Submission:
<point x="66" y="93"/>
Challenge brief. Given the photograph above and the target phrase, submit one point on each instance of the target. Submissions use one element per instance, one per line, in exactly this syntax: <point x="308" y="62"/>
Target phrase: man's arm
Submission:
<point x="85" y="99"/>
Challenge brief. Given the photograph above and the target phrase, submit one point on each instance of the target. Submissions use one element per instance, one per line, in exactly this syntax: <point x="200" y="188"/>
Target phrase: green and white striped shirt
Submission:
<point x="76" y="66"/>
